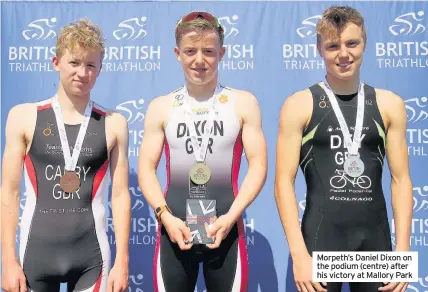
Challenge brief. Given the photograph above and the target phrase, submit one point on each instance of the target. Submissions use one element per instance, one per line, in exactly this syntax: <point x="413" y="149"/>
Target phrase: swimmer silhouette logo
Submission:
<point x="417" y="135"/>
<point x="130" y="55"/>
<point x="415" y="108"/>
<point x="420" y="199"/>
<point x="308" y="28"/>
<point x="408" y="24"/>
<point x="420" y="286"/>
<point x="40" y="29"/>
<point x="238" y="56"/>
<point x="135" y="283"/>
<point x="228" y="24"/>
<point x="134" y="112"/>
<point x="131" y="29"/>
<point x="408" y="49"/>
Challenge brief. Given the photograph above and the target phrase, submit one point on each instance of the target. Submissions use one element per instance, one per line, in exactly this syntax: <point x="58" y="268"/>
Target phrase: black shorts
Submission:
<point x="225" y="268"/>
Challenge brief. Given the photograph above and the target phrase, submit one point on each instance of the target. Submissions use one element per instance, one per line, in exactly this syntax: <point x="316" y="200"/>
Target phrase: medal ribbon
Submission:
<point x="351" y="145"/>
<point x="200" y="152"/>
<point x="71" y="161"/>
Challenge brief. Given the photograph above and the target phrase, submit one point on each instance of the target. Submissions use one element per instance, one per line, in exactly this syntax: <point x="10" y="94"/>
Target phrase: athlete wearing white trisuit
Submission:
<point x="225" y="268"/>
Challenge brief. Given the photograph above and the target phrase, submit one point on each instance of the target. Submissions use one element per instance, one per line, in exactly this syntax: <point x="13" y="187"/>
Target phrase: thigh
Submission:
<point x="174" y="270"/>
<point x="41" y="276"/>
<point x="365" y="286"/>
<point x="39" y="286"/>
<point x="91" y="280"/>
<point x="226" y="268"/>
<point x="334" y="287"/>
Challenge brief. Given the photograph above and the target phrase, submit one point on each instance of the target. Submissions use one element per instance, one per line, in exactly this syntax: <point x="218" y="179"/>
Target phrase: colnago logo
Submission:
<point x="411" y="48"/>
<point x="237" y="56"/>
<point x="129" y="55"/>
<point x="417" y="133"/>
<point x="420" y="286"/>
<point x="420" y="199"/>
<point x="133" y="110"/>
<point x="135" y="283"/>
<point x="303" y="55"/>
<point x="39" y="48"/>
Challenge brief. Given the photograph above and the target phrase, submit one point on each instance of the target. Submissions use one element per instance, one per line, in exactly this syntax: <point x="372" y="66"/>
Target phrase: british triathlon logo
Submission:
<point x="238" y="56"/>
<point x="40" y="29"/>
<point x="131" y="29"/>
<point x="134" y="112"/>
<point x="420" y="286"/>
<point x="308" y="28"/>
<point x="229" y="24"/>
<point x="409" y="48"/>
<point x="408" y="24"/>
<point x="36" y="53"/>
<point x="143" y="226"/>
<point x="303" y="54"/>
<point x="420" y="199"/>
<point x="135" y="283"/>
<point x="128" y="54"/>
<point x="417" y="134"/>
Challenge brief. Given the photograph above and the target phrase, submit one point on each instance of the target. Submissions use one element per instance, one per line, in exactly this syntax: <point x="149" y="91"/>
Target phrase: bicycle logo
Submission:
<point x="340" y="180"/>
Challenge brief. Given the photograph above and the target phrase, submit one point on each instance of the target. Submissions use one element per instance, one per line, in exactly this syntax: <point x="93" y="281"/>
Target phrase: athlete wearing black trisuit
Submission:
<point x="63" y="236"/>
<point x="344" y="213"/>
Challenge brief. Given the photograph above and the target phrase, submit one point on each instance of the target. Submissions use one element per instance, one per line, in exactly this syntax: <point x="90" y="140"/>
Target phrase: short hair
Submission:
<point x="334" y="20"/>
<point x="80" y="34"/>
<point x="199" y="25"/>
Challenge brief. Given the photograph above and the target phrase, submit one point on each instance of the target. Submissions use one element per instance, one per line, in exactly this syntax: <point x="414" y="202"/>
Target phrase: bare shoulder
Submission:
<point x="162" y="103"/>
<point x="301" y="99"/>
<point x="243" y="97"/>
<point x="15" y="118"/>
<point x="297" y="108"/>
<point x="388" y="99"/>
<point x="391" y="106"/>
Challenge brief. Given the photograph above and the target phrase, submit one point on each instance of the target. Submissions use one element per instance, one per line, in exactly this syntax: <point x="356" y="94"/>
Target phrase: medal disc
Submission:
<point x="200" y="173"/>
<point x="69" y="182"/>
<point x="354" y="166"/>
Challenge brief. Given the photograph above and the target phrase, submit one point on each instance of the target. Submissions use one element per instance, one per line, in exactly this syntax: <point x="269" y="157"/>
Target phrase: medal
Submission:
<point x="200" y="173"/>
<point x="354" y="166"/>
<point x="69" y="182"/>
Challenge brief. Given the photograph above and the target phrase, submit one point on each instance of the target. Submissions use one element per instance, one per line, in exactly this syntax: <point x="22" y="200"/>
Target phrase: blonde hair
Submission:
<point x="334" y="20"/>
<point x="80" y="34"/>
<point x="199" y="25"/>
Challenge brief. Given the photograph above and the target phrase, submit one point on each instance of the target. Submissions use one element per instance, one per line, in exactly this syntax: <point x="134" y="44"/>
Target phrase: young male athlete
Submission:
<point x="339" y="132"/>
<point x="203" y="127"/>
<point x="66" y="144"/>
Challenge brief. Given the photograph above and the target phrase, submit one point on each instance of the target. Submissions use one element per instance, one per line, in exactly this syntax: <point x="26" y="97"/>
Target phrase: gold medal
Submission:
<point x="69" y="182"/>
<point x="200" y="173"/>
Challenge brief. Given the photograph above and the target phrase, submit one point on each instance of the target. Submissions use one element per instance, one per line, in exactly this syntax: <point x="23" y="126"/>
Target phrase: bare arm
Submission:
<point x="121" y="202"/>
<point x="150" y="154"/>
<point x="13" y="159"/>
<point x="292" y="122"/>
<point x="398" y="161"/>
<point x="255" y="150"/>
